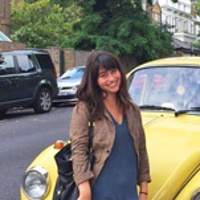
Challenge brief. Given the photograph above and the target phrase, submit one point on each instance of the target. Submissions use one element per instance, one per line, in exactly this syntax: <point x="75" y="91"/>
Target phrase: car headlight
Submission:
<point x="196" y="195"/>
<point x="35" y="183"/>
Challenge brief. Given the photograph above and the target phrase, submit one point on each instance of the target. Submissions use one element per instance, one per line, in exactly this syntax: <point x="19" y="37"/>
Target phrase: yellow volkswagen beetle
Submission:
<point x="168" y="93"/>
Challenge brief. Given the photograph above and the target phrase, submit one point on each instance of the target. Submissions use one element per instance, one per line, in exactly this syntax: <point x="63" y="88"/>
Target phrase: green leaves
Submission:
<point x="119" y="26"/>
<point x="42" y="24"/>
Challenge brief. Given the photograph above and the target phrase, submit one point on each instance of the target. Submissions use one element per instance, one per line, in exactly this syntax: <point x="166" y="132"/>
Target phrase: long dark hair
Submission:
<point x="89" y="90"/>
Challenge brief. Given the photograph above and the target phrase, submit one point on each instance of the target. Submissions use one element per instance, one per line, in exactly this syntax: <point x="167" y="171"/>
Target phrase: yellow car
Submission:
<point x="168" y="93"/>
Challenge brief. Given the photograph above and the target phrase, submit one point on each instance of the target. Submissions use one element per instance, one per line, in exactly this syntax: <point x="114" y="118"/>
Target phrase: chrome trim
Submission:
<point x="196" y="195"/>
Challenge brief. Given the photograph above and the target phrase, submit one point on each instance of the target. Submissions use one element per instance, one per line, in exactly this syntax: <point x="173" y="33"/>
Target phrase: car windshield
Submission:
<point x="176" y="88"/>
<point x="76" y="72"/>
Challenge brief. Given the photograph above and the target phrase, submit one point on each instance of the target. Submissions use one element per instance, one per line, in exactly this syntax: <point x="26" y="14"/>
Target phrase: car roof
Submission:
<point x="173" y="61"/>
<point x="166" y="62"/>
<point x="81" y="66"/>
<point x="25" y="51"/>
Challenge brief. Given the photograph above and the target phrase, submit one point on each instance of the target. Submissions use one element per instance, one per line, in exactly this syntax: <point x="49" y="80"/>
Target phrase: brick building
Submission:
<point x="5" y="22"/>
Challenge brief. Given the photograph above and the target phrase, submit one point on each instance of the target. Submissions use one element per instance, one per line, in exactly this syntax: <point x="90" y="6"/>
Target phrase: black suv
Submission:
<point x="27" y="79"/>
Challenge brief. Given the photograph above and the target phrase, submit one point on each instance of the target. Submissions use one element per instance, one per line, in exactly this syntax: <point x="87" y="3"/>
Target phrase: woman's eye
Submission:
<point x="114" y="70"/>
<point x="102" y="75"/>
<point x="105" y="74"/>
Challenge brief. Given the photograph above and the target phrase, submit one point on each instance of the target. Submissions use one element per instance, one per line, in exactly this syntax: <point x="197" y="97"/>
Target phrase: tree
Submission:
<point x="62" y="3"/>
<point x="42" y="23"/>
<point x="119" y="26"/>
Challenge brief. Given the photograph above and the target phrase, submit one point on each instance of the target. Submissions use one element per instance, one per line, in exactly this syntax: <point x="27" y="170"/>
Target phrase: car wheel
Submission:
<point x="43" y="102"/>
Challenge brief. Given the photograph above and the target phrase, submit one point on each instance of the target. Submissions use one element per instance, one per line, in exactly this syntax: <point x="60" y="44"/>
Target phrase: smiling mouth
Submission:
<point x="113" y="84"/>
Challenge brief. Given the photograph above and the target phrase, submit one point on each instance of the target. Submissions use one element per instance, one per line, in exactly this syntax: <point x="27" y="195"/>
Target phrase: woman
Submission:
<point x="121" y="160"/>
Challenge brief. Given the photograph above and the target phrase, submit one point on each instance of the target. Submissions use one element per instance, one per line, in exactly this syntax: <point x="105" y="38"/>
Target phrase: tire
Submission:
<point x="43" y="102"/>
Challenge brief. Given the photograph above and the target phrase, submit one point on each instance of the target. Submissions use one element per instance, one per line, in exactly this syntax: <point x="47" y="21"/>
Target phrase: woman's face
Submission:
<point x="109" y="80"/>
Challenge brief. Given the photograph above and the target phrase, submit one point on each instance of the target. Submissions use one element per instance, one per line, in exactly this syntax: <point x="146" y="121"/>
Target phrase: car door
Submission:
<point x="28" y="76"/>
<point x="8" y="91"/>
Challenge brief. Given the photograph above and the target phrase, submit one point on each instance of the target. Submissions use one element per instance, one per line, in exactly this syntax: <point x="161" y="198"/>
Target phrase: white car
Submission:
<point x="68" y="84"/>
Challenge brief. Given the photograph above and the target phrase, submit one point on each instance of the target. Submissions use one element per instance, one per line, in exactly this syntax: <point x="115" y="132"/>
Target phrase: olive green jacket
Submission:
<point x="104" y="136"/>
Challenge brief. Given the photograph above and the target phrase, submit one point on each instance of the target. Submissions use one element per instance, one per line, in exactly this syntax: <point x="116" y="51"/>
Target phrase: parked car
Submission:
<point x="28" y="79"/>
<point x="168" y="93"/>
<point x="68" y="84"/>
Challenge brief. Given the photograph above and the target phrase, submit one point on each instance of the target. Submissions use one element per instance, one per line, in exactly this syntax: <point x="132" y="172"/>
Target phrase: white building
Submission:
<point x="180" y="19"/>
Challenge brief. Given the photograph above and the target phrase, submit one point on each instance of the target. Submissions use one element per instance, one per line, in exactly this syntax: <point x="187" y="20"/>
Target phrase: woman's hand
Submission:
<point x="84" y="196"/>
<point x="143" y="194"/>
<point x="142" y="197"/>
<point x="84" y="191"/>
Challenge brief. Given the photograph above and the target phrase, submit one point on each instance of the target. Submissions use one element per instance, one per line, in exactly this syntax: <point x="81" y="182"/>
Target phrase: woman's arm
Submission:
<point x="143" y="170"/>
<point x="79" y="135"/>
<point x="84" y="191"/>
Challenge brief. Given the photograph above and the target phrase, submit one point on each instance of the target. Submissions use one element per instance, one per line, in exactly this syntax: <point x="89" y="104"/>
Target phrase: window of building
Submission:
<point x="156" y="16"/>
<point x="185" y="26"/>
<point x="185" y="8"/>
<point x="192" y="29"/>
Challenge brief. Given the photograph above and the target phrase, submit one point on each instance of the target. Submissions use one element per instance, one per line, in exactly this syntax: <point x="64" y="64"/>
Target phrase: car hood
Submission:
<point x="69" y="82"/>
<point x="46" y="160"/>
<point x="174" y="151"/>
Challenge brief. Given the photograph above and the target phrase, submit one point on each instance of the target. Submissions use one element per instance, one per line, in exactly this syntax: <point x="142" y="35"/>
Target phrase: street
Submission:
<point x="25" y="134"/>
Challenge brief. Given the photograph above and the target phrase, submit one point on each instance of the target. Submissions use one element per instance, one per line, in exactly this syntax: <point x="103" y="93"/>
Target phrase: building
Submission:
<point x="5" y="21"/>
<point x="155" y="13"/>
<point x="5" y="27"/>
<point x="179" y="19"/>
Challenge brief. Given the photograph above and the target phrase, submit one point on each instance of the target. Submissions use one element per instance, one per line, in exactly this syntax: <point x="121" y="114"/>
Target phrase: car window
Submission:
<point x="174" y="87"/>
<point x="45" y="61"/>
<point x="7" y="65"/>
<point x="73" y="73"/>
<point x="25" y="64"/>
